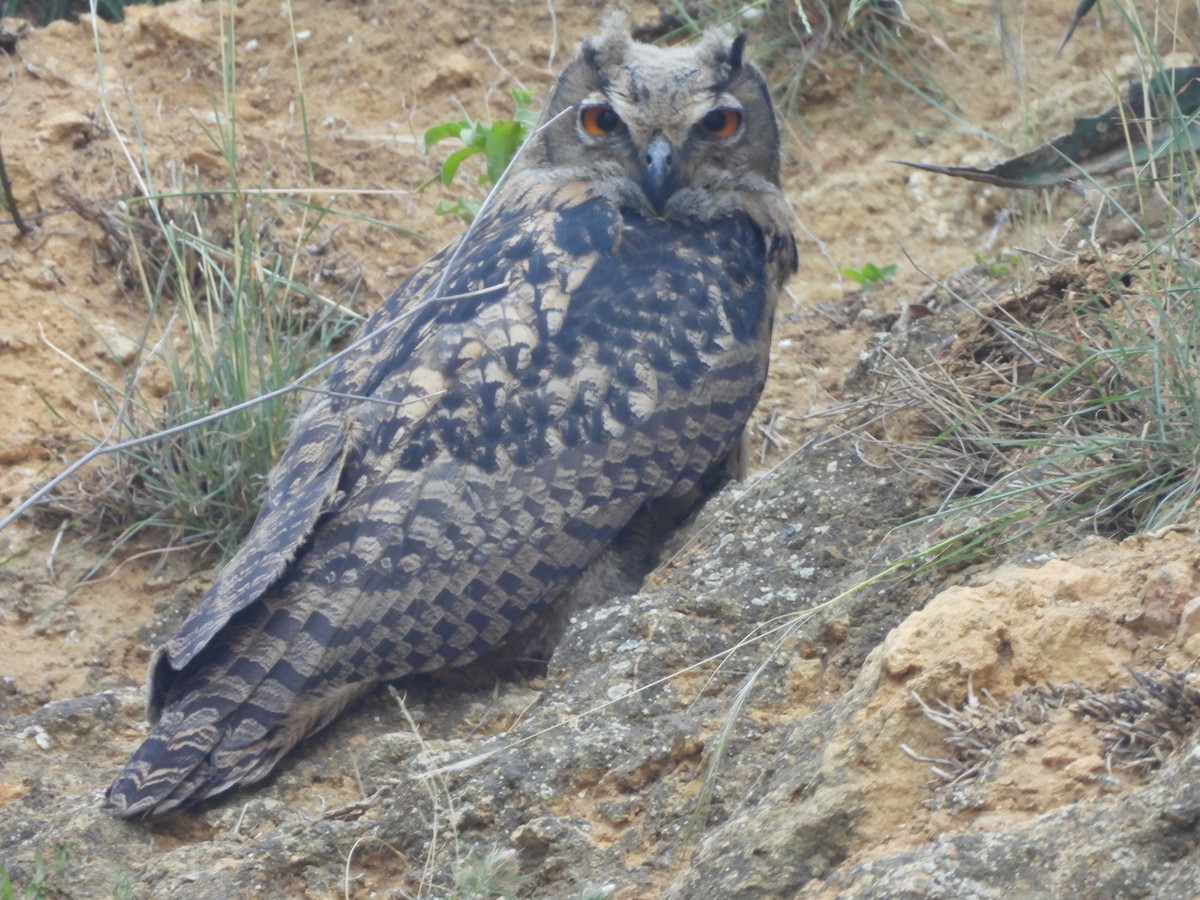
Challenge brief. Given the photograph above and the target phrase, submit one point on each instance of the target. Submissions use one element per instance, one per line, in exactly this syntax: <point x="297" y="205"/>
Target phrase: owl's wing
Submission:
<point x="392" y="378"/>
<point x="593" y="363"/>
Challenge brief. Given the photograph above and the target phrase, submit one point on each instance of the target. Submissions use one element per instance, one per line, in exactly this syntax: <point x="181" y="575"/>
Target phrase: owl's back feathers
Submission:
<point x="509" y="410"/>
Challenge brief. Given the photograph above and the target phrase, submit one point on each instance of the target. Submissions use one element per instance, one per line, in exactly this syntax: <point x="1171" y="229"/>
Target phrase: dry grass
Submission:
<point x="1072" y="404"/>
<point x="1138" y="727"/>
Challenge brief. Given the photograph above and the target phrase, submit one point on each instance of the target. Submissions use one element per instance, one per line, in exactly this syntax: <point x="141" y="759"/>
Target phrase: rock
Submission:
<point x="18" y="446"/>
<point x="116" y="345"/>
<point x="66" y="126"/>
<point x="1141" y="846"/>
<point x="450" y="70"/>
<point x="182" y="24"/>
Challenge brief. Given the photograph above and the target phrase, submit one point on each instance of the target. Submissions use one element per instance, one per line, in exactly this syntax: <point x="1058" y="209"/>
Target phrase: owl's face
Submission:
<point x="675" y="132"/>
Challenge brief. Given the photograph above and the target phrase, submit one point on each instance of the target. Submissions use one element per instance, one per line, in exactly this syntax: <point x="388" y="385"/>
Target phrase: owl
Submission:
<point x="590" y="351"/>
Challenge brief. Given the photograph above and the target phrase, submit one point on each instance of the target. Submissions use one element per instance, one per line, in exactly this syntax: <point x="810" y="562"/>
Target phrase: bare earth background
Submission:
<point x="815" y="789"/>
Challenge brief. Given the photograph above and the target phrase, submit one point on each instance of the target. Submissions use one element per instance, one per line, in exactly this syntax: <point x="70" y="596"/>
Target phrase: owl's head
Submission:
<point x="674" y="131"/>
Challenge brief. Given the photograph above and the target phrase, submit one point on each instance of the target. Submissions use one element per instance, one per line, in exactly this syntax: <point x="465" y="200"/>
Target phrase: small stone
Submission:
<point x="1189" y="622"/>
<point x="1167" y="594"/>
<point x="17" y="447"/>
<point x="66" y="126"/>
<point x="13" y="341"/>
<point x="1086" y="768"/>
<point x="453" y="70"/>
<point x="180" y="24"/>
<point x="39" y="735"/>
<point x="116" y="345"/>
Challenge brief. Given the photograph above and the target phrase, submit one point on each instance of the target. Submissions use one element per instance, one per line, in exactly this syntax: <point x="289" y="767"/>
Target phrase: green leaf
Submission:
<point x="463" y="208"/>
<point x="454" y="160"/>
<point x="524" y="116"/>
<point x="502" y="142"/>
<point x="441" y="132"/>
<point x="474" y="135"/>
<point x="498" y="142"/>
<point x="870" y="275"/>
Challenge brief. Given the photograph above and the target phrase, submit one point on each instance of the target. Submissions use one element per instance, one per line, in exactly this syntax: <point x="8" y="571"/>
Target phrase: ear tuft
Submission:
<point x="735" y="51"/>
<point x="723" y="48"/>
<point x="611" y="46"/>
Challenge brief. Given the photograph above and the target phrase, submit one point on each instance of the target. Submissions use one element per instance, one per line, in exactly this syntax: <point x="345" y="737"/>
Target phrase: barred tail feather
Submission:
<point x="197" y="751"/>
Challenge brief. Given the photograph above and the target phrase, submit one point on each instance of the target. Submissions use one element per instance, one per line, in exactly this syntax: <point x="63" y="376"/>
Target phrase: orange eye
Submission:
<point x="600" y="120"/>
<point x="723" y="122"/>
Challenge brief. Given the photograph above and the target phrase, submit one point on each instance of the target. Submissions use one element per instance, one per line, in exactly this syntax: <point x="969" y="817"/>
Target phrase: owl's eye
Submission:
<point x="600" y="120"/>
<point x="723" y="122"/>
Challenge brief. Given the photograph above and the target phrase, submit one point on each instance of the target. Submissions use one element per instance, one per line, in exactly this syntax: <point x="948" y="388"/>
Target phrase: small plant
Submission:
<point x="44" y="872"/>
<point x="869" y="276"/>
<point x="233" y="326"/>
<point x="997" y="265"/>
<point x="123" y="886"/>
<point x="241" y="327"/>
<point x="498" y="142"/>
<point x="496" y="873"/>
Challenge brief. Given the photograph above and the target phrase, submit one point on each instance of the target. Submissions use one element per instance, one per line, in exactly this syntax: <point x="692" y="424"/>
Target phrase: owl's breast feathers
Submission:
<point x="514" y="406"/>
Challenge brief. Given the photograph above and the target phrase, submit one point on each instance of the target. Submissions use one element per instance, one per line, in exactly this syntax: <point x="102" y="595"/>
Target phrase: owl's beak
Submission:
<point x="659" y="181"/>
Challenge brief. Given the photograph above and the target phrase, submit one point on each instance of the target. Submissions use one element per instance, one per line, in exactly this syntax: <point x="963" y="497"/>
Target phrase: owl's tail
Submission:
<point x="219" y="731"/>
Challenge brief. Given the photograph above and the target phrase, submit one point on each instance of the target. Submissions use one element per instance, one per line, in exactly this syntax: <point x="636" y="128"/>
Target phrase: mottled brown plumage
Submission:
<point x="592" y="349"/>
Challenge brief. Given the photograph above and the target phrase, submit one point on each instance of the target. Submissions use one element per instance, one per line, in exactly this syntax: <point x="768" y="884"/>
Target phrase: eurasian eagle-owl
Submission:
<point x="592" y="348"/>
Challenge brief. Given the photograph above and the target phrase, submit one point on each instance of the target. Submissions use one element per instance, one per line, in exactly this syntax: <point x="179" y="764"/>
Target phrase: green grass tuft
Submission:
<point x="232" y="324"/>
<point x="495" y="873"/>
<point x="202" y="409"/>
